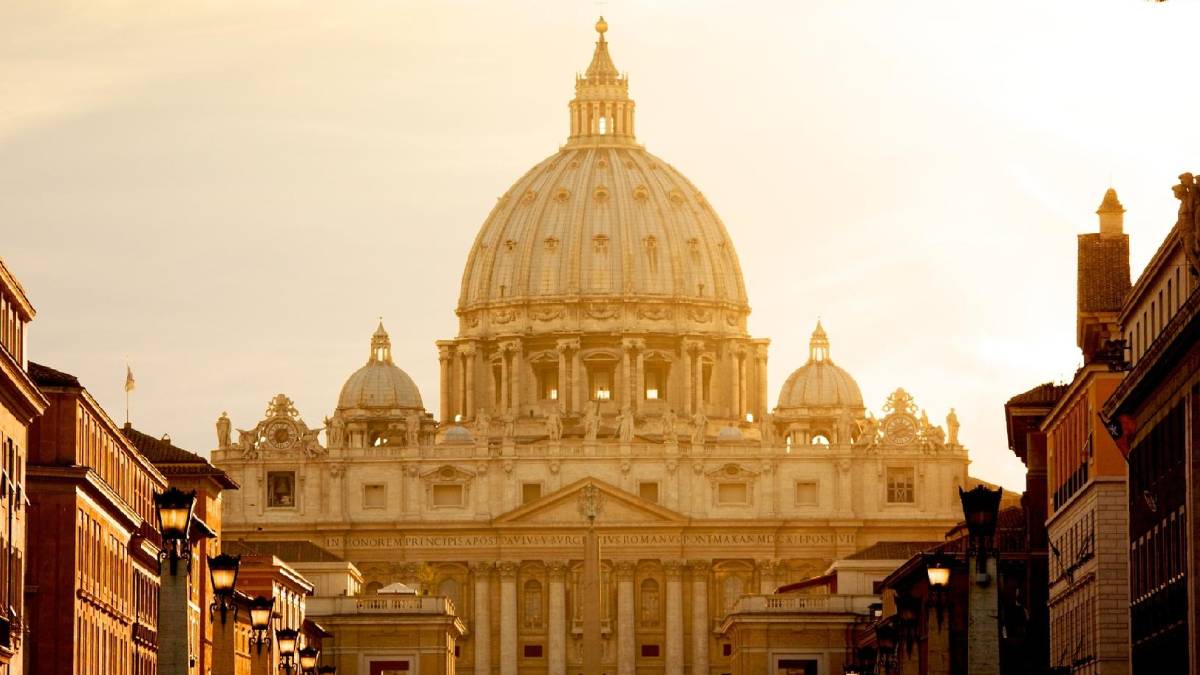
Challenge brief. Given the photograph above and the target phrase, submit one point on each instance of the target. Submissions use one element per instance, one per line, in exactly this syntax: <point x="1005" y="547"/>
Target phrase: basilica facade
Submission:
<point x="601" y="348"/>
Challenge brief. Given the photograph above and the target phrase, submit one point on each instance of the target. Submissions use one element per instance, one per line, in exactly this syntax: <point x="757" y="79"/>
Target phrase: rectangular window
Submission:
<point x="706" y="382"/>
<point x="650" y="651"/>
<point x="648" y="491"/>
<point x="447" y="495"/>
<point x="733" y="494"/>
<point x="281" y="489"/>
<point x="806" y="493"/>
<point x="530" y="492"/>
<point x="601" y="382"/>
<point x="656" y="382"/>
<point x="726" y="649"/>
<point x="900" y="483"/>
<point x="374" y="496"/>
<point x="547" y="379"/>
<point x="533" y="651"/>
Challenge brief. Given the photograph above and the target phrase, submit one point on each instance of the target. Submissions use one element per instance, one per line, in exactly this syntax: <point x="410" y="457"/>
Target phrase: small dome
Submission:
<point x="729" y="434"/>
<point x="380" y="384"/>
<point x="458" y="435"/>
<point x="820" y="383"/>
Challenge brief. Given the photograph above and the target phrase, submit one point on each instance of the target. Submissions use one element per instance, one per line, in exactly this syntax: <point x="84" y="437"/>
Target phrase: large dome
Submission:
<point x="600" y="222"/>
<point x="380" y="384"/>
<point x="819" y="383"/>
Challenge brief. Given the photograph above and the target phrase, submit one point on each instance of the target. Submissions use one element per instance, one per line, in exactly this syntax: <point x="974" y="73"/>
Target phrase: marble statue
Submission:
<point x="554" y="425"/>
<point x="510" y="426"/>
<point x="699" y="428"/>
<point x="766" y="428"/>
<point x="223" y="428"/>
<point x="483" y="424"/>
<point x="412" y="424"/>
<point x="334" y="431"/>
<point x="248" y="443"/>
<point x="952" y="425"/>
<point x="868" y="430"/>
<point x="591" y="422"/>
<point x="668" y="426"/>
<point x="625" y="425"/>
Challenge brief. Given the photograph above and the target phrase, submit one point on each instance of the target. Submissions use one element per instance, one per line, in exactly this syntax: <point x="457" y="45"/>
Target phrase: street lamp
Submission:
<point x="981" y="507"/>
<point x="876" y="610"/>
<point x="175" y="508"/>
<point x="285" y="639"/>
<point x="261" y="610"/>
<point x="885" y="639"/>
<point x="224" y="571"/>
<point x="308" y="659"/>
<point x="937" y="569"/>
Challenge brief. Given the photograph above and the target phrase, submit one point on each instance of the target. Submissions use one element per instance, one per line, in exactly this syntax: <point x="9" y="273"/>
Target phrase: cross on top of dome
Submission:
<point x="601" y="111"/>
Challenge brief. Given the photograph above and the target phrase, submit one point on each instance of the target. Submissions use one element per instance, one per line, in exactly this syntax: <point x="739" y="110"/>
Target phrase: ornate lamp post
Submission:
<point x="224" y="571"/>
<point x="175" y="509"/>
<point x="308" y="660"/>
<point x="885" y="640"/>
<point x="937" y="569"/>
<point x="286" y="639"/>
<point x="261" y="610"/>
<point x="981" y="507"/>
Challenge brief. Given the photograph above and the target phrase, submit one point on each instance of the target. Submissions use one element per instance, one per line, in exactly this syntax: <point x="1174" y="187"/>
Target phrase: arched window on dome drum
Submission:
<point x="497" y="383"/>
<point x="706" y="372"/>
<point x="819" y="438"/>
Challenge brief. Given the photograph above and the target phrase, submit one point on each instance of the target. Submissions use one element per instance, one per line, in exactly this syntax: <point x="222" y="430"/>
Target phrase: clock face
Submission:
<point x="281" y="435"/>
<point x="900" y="431"/>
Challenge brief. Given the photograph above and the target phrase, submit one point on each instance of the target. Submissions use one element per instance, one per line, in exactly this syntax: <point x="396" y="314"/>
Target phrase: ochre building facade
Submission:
<point x="602" y="344"/>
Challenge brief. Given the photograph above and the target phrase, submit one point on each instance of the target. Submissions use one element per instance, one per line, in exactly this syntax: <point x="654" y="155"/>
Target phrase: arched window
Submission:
<point x="603" y="125"/>
<point x="533" y="604"/>
<point x="650" y="604"/>
<point x="449" y="588"/>
<point x="731" y="590"/>
<point x="820" y="439"/>
<point x="373" y="587"/>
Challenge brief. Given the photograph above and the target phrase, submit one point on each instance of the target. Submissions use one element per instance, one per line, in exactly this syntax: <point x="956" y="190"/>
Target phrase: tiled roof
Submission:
<point x="1043" y="394"/>
<point x="45" y="376"/>
<point x="160" y="450"/>
<point x="294" y="551"/>
<point x="1103" y="277"/>
<point x="892" y="550"/>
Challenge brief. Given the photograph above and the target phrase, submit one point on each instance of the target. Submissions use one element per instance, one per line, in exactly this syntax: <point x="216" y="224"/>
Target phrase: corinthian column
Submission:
<point x="557" y="638"/>
<point x="626" y="662"/>
<point x="447" y="408"/>
<point x="482" y="620"/>
<point x="674" y="650"/>
<point x="700" y="629"/>
<point x="468" y="375"/>
<point x="508" y="617"/>
<point x="760" y="355"/>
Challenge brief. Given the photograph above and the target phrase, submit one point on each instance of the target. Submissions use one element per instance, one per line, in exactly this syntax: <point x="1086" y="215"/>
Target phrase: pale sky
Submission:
<point x="230" y="193"/>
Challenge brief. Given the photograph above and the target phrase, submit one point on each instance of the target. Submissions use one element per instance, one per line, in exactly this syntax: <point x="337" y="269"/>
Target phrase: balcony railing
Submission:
<point x="380" y="604"/>
<point x="800" y="602"/>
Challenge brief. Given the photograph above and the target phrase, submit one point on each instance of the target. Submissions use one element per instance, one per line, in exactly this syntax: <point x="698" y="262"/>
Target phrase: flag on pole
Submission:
<point x="130" y="385"/>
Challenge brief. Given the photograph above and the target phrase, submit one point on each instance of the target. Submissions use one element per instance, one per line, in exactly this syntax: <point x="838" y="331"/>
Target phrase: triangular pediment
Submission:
<point x="561" y="507"/>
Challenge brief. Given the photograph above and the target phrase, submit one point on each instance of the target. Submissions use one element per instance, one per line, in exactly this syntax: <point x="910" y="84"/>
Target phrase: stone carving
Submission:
<point x="412" y="429"/>
<point x="1188" y="194"/>
<point x="699" y="427"/>
<point x="483" y="424"/>
<point x="591" y="502"/>
<point x="248" y="442"/>
<point x="601" y="311"/>
<point x="625" y="425"/>
<point x="591" y="421"/>
<point x="699" y="315"/>
<point x="952" y="426"/>
<point x="223" y="427"/>
<point x="668" y="427"/>
<point x="503" y="316"/>
<point x="309" y="443"/>
<point x="335" y="430"/>
<point x="546" y="313"/>
<point x="766" y="429"/>
<point x="510" y="427"/>
<point x="868" y="431"/>
<point x="654" y="313"/>
<point x="554" y="425"/>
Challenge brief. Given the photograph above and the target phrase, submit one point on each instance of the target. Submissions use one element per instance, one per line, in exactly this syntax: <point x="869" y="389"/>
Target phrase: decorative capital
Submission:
<point x="507" y="569"/>
<point x="445" y="353"/>
<point x="466" y="349"/>
<point x="700" y="566"/>
<point x="767" y="567"/>
<point x="568" y="344"/>
<point x="633" y="344"/>
<point x="481" y="569"/>
<point x="692" y="346"/>
<point x="624" y="569"/>
<point x="557" y="569"/>
<point x="673" y="569"/>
